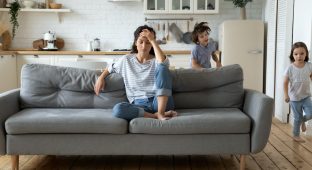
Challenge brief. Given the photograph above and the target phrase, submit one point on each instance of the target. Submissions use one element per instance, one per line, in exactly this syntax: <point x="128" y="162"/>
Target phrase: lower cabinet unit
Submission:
<point x="179" y="61"/>
<point x="184" y="61"/>
<point x="92" y="62"/>
<point x="8" y="80"/>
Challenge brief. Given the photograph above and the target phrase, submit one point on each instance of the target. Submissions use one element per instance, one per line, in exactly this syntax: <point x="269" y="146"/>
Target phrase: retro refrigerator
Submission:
<point x="242" y="42"/>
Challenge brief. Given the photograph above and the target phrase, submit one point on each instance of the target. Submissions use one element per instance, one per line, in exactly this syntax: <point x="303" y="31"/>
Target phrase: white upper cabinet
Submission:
<point x="156" y="6"/>
<point x="206" y="6"/>
<point x="181" y="6"/>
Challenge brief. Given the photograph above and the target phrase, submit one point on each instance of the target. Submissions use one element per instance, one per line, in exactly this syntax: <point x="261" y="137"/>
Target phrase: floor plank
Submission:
<point x="132" y="163"/>
<point x="251" y="164"/>
<point x="5" y="162"/>
<point x="289" y="154"/>
<point x="287" y="129"/>
<point x="165" y="163"/>
<point x="182" y="162"/>
<point x="198" y="162"/>
<point x="277" y="158"/>
<point x="115" y="163"/>
<point x="229" y="162"/>
<point x="148" y="162"/>
<point x="296" y="147"/>
<point x="214" y="162"/>
<point x="84" y="163"/>
<point x="264" y="161"/>
<point x="34" y="162"/>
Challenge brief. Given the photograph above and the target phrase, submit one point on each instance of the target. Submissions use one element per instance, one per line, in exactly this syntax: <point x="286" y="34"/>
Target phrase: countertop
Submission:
<point x="33" y="52"/>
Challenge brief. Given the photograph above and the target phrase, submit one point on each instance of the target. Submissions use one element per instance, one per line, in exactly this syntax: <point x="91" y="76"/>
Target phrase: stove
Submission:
<point x="122" y="49"/>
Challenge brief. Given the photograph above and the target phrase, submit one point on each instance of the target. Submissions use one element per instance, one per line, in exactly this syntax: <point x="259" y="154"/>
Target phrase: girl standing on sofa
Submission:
<point x="202" y="51"/>
<point x="297" y="87"/>
<point x="147" y="79"/>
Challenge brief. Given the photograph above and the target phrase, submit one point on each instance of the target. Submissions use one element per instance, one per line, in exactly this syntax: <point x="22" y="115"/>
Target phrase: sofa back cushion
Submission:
<point x="208" y="88"/>
<point x="63" y="87"/>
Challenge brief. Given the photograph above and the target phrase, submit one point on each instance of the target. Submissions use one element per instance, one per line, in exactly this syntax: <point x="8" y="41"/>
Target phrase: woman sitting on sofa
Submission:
<point x="146" y="77"/>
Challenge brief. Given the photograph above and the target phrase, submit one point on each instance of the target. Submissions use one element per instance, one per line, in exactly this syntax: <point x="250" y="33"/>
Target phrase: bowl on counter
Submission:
<point x="55" y="5"/>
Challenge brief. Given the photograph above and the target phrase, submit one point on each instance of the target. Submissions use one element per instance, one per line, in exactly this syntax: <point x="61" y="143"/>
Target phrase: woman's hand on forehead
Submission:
<point x="148" y="34"/>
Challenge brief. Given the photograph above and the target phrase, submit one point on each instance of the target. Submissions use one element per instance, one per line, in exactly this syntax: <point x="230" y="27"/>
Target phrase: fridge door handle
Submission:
<point x="255" y="52"/>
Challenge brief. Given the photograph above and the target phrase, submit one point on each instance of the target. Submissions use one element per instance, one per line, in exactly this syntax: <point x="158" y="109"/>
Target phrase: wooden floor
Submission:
<point x="281" y="152"/>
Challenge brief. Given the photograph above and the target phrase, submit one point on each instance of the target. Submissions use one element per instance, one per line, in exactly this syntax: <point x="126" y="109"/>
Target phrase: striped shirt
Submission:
<point x="299" y="81"/>
<point x="139" y="78"/>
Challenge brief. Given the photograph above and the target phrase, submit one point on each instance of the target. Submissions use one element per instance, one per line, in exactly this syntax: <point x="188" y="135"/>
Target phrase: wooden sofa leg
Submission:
<point x="242" y="162"/>
<point x="15" y="160"/>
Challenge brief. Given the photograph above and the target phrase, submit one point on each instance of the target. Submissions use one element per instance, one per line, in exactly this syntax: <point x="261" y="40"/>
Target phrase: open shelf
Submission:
<point x="38" y="10"/>
<point x="57" y="11"/>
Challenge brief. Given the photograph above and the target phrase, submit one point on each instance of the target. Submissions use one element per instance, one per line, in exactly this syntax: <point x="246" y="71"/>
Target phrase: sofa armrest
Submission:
<point x="9" y="104"/>
<point x="259" y="107"/>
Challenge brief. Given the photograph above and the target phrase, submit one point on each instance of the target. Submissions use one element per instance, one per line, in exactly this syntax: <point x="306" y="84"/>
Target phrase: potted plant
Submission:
<point x="241" y="4"/>
<point x="14" y="9"/>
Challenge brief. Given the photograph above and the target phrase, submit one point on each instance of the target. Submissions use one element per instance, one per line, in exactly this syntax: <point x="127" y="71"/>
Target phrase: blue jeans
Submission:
<point x="163" y="84"/>
<point x="298" y="107"/>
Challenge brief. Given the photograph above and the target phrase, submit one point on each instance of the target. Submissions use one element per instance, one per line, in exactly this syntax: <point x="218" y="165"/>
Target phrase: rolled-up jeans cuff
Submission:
<point x="141" y="112"/>
<point x="163" y="92"/>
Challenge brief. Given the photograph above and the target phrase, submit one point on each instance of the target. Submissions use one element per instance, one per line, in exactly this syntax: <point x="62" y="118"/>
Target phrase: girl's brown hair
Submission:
<point x="198" y="29"/>
<point x="137" y="35"/>
<point x="298" y="45"/>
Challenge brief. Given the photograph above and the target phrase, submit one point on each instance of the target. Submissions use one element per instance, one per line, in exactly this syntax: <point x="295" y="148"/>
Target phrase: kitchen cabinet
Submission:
<point x="184" y="61"/>
<point x="8" y="80"/>
<point x="156" y="6"/>
<point x="181" y="6"/>
<point x="206" y="6"/>
<point x="32" y="59"/>
<point x="179" y="61"/>
<point x="92" y="62"/>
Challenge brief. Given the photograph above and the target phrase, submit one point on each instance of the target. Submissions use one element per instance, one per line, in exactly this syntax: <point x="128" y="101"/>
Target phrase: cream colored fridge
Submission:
<point x="242" y="42"/>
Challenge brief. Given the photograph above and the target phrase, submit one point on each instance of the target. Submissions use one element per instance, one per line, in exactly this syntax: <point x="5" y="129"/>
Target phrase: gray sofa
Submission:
<point x="55" y="112"/>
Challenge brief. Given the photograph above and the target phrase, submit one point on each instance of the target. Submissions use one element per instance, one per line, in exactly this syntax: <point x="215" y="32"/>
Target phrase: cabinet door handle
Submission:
<point x="80" y="56"/>
<point x="255" y="51"/>
<point x="36" y="56"/>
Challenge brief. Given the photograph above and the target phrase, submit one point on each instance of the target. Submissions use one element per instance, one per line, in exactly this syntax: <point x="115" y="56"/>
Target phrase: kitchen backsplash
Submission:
<point x="112" y="22"/>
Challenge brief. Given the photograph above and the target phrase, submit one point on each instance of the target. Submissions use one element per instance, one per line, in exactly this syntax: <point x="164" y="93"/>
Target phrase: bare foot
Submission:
<point x="298" y="139"/>
<point x="162" y="117"/>
<point x="303" y="127"/>
<point x="171" y="113"/>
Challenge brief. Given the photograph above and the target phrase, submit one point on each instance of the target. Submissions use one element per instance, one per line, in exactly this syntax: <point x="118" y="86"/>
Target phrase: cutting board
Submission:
<point x="5" y="40"/>
<point x="39" y="44"/>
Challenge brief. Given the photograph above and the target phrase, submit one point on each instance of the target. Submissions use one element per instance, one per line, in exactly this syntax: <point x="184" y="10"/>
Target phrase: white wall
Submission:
<point x="270" y="20"/>
<point x="303" y="23"/>
<point x="112" y="22"/>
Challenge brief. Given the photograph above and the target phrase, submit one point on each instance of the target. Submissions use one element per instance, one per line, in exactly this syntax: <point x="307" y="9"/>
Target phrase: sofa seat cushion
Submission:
<point x="196" y="121"/>
<point x="36" y="121"/>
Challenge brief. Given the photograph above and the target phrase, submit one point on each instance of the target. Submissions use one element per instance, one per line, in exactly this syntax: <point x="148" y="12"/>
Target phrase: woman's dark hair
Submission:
<point x="298" y="45"/>
<point x="137" y="35"/>
<point x="198" y="29"/>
